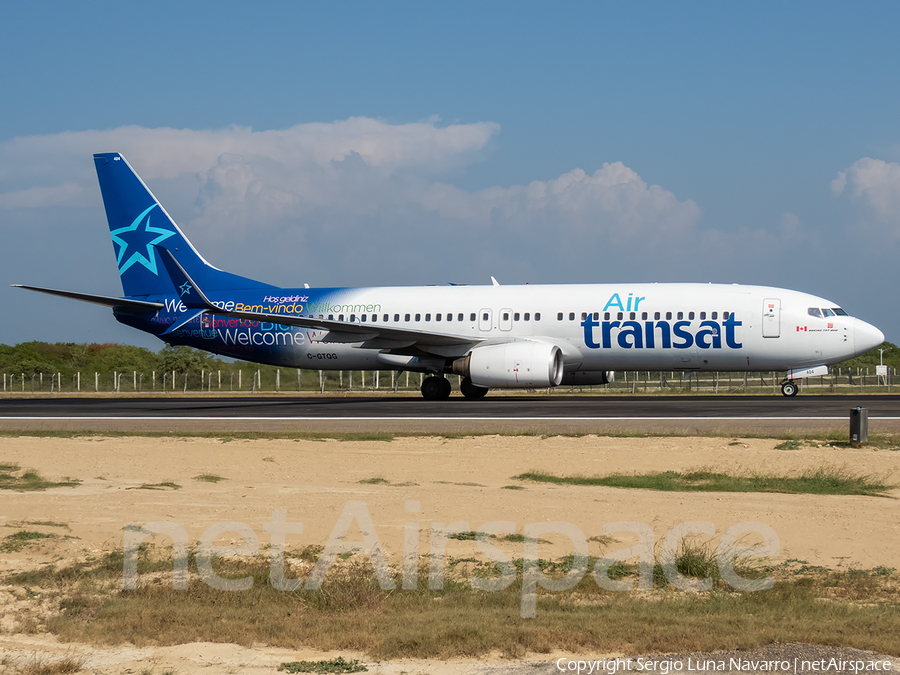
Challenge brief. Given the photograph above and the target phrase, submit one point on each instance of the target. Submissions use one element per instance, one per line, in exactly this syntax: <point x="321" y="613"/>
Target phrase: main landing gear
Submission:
<point x="470" y="390"/>
<point x="435" y="388"/>
<point x="789" y="388"/>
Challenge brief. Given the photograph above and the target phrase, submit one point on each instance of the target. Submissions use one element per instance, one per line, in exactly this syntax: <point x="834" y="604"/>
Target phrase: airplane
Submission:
<point x="494" y="337"/>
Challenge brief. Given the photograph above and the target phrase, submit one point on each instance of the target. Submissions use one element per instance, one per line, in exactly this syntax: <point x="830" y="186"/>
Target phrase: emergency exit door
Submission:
<point x="771" y="319"/>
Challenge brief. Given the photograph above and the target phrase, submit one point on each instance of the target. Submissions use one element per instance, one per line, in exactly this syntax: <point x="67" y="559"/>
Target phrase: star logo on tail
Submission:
<point x="185" y="288"/>
<point x="140" y="239"/>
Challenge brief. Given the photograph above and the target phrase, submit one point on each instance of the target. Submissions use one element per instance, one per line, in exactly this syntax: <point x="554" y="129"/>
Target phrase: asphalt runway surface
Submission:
<point x="508" y="414"/>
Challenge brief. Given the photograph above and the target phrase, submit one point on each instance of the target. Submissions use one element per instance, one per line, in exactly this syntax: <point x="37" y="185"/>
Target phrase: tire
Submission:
<point x="470" y="390"/>
<point x="789" y="388"/>
<point x="435" y="388"/>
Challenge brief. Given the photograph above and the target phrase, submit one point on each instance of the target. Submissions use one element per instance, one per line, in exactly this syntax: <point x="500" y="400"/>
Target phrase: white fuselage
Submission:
<point x="604" y="326"/>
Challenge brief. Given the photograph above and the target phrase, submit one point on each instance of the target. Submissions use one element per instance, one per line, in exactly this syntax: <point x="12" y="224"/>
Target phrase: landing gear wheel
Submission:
<point x="435" y="388"/>
<point x="789" y="388"/>
<point x="470" y="390"/>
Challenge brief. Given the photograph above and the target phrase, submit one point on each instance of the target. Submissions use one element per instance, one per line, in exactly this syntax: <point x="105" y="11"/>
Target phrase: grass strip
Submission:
<point x="351" y="612"/>
<point x="826" y="481"/>
<point x="836" y="439"/>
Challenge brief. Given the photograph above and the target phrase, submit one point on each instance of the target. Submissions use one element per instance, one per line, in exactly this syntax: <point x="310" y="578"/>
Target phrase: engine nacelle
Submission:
<point x="588" y="377"/>
<point x="524" y="364"/>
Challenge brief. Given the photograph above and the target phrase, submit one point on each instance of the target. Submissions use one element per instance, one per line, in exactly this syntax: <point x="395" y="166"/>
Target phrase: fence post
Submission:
<point x="299" y="387"/>
<point x="278" y="379"/>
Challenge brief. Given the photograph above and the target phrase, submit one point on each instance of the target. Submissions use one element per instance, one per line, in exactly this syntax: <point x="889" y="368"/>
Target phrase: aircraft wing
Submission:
<point x="378" y="336"/>
<point x="105" y="300"/>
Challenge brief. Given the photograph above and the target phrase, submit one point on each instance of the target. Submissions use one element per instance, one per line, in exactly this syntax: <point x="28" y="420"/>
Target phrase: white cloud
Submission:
<point x="876" y="184"/>
<point x="250" y="182"/>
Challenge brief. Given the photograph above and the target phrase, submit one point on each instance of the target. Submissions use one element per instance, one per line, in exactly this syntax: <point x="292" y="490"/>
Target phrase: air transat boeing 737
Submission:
<point x="503" y="337"/>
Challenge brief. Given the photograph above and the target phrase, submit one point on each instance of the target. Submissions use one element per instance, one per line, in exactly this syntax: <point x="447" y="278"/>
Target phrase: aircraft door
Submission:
<point x="771" y="320"/>
<point x="505" y="319"/>
<point x="485" y="322"/>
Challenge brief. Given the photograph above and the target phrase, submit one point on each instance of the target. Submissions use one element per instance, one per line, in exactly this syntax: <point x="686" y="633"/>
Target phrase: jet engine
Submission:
<point x="588" y="377"/>
<point x="522" y="364"/>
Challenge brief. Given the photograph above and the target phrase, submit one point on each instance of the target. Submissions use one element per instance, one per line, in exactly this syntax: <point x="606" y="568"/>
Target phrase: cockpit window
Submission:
<point x="839" y="311"/>
<point x="815" y="311"/>
<point x="827" y="312"/>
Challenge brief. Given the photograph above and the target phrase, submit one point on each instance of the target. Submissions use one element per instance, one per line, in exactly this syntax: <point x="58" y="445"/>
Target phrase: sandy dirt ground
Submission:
<point x="451" y="479"/>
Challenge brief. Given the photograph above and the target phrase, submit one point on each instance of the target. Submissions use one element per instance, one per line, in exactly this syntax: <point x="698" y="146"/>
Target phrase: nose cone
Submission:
<point x="866" y="336"/>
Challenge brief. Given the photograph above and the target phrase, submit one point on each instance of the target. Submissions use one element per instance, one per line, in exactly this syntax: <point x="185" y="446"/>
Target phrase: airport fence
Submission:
<point x="281" y="380"/>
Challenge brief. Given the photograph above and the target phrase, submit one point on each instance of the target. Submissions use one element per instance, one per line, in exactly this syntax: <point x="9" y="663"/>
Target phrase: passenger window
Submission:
<point x="484" y="317"/>
<point x="814" y="311"/>
<point x="596" y="316"/>
<point x="702" y="315"/>
<point x="537" y="316"/>
<point x="396" y="318"/>
<point x="691" y="316"/>
<point x="437" y="317"/>
<point x="606" y="316"/>
<point x="406" y="317"/>
<point x="516" y="316"/>
<point x="668" y="316"/>
<point x="331" y="317"/>
<point x="632" y="316"/>
<point x="428" y="317"/>
<point x="340" y="317"/>
<point x="644" y="316"/>
<point x="459" y="317"/>
<point x="571" y="316"/>
<point x="385" y="318"/>
<point x="559" y="317"/>
<point x="527" y="316"/>
<point x="715" y="315"/>
<point x="505" y="316"/>
<point x="352" y="318"/>
<point x="418" y="317"/>
<point x="449" y="316"/>
<point x="680" y="315"/>
<point x="725" y="315"/>
<point x="584" y="316"/>
<point x="619" y="316"/>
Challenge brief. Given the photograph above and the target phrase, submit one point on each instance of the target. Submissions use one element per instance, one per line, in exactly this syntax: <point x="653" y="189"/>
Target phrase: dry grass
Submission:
<point x="351" y="611"/>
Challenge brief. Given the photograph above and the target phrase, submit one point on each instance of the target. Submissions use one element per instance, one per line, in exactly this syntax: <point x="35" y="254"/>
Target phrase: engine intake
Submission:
<point x="523" y="364"/>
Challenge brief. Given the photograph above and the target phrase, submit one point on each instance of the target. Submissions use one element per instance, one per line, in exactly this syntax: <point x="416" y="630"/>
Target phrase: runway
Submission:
<point x="507" y="414"/>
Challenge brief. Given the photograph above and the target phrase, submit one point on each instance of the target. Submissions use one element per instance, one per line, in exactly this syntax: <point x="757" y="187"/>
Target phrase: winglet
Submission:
<point x="188" y="291"/>
<point x="494" y="281"/>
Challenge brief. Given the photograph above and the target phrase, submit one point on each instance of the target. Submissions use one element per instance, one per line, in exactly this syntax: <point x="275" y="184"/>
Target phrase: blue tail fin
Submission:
<point x="137" y="223"/>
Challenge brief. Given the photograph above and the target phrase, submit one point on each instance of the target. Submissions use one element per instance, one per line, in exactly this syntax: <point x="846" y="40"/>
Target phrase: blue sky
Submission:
<point x="416" y="143"/>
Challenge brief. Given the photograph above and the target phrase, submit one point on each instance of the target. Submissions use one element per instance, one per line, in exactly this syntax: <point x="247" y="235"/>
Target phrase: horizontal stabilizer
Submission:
<point x="105" y="300"/>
